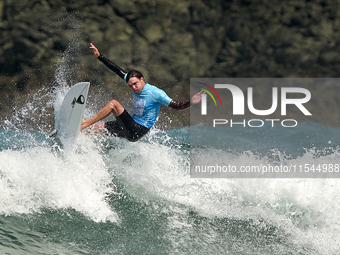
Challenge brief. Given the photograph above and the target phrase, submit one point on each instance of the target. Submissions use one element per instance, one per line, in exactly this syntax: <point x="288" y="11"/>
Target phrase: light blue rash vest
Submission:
<point x="146" y="104"/>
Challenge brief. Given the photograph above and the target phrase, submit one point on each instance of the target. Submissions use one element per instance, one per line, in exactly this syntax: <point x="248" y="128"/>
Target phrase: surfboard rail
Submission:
<point x="69" y="116"/>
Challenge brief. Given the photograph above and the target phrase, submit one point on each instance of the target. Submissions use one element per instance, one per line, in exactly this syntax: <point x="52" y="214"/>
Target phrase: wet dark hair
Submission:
<point x="133" y="73"/>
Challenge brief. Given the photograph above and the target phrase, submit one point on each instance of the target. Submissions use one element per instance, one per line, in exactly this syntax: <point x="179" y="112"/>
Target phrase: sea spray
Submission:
<point x="35" y="178"/>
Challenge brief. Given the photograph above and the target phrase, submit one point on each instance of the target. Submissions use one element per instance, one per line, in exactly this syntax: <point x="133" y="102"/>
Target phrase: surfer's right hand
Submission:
<point x="197" y="97"/>
<point x="95" y="50"/>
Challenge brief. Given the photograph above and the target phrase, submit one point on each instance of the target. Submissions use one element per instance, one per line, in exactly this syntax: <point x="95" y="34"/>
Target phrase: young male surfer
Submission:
<point x="147" y="100"/>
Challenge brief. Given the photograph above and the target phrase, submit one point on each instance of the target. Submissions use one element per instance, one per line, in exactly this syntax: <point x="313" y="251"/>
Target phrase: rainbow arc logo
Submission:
<point x="209" y="93"/>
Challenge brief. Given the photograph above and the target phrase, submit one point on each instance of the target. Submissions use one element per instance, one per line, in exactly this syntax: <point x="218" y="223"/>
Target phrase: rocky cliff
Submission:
<point x="169" y="41"/>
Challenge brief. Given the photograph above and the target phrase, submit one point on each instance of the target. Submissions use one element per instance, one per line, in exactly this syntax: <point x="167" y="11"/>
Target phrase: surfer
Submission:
<point x="147" y="100"/>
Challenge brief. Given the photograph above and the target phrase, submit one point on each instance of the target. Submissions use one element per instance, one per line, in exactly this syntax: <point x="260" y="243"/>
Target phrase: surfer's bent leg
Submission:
<point x="113" y="106"/>
<point x="125" y="126"/>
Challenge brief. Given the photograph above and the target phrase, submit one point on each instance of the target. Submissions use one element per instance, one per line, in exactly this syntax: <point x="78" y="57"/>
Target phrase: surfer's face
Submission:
<point x="136" y="85"/>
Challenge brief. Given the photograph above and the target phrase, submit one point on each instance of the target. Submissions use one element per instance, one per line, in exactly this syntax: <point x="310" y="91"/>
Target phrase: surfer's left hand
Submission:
<point x="95" y="50"/>
<point x="197" y="97"/>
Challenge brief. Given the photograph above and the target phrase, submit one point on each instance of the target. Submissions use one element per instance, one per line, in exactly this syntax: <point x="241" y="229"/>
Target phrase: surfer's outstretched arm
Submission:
<point x="184" y="105"/>
<point x="112" y="66"/>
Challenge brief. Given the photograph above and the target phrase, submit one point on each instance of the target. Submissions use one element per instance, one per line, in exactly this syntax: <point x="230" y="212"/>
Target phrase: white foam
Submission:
<point x="34" y="178"/>
<point x="306" y="209"/>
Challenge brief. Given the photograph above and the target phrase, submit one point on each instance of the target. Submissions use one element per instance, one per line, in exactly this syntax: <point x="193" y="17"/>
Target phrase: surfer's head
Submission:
<point x="133" y="73"/>
<point x="135" y="80"/>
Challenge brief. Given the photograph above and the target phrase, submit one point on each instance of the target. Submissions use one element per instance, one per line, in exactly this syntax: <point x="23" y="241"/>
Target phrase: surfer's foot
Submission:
<point x="83" y="125"/>
<point x="97" y="128"/>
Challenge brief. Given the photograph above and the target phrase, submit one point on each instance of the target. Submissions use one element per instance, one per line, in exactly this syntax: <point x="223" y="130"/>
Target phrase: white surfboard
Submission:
<point x="69" y="117"/>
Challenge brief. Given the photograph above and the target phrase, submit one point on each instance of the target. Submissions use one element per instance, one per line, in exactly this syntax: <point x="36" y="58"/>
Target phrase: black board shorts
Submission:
<point x="125" y="126"/>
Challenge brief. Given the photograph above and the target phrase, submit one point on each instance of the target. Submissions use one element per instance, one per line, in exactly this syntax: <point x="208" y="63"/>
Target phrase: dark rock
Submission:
<point x="170" y="41"/>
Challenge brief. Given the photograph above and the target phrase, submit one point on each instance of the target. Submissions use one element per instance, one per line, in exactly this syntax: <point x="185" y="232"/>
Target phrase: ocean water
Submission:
<point x="110" y="196"/>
